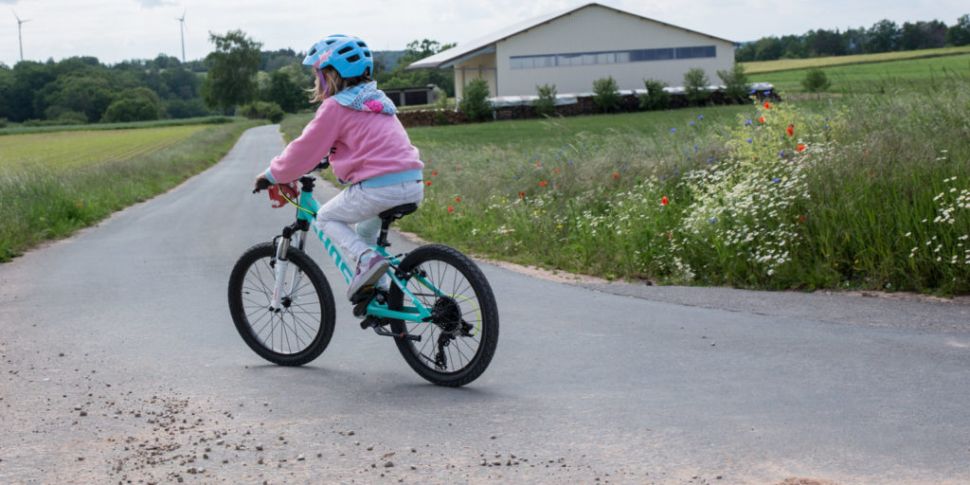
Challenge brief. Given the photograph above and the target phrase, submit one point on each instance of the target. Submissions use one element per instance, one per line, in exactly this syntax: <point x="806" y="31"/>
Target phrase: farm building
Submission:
<point x="571" y="49"/>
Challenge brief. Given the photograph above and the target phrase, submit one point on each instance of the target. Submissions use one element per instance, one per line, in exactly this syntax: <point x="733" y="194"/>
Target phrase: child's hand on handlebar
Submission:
<point x="261" y="183"/>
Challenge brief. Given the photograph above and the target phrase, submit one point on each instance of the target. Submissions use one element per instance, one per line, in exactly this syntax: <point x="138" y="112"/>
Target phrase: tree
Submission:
<point x="883" y="36"/>
<point x="815" y="81"/>
<point x="959" y="33"/>
<point x="283" y="91"/>
<point x="401" y="77"/>
<point x="695" y="86"/>
<point x="475" y="103"/>
<point x="89" y="93"/>
<point x="735" y="83"/>
<point x="232" y="70"/>
<point x="545" y="105"/>
<point x="29" y="78"/>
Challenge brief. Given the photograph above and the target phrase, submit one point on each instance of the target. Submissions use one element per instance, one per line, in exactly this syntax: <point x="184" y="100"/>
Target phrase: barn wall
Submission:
<point x="598" y="29"/>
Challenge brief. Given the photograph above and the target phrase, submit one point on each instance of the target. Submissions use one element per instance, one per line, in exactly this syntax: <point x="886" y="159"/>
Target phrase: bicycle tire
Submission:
<point x="486" y="306"/>
<point x="238" y="293"/>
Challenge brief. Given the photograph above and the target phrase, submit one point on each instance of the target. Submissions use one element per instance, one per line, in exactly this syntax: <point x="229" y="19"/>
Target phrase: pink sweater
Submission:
<point x="367" y="145"/>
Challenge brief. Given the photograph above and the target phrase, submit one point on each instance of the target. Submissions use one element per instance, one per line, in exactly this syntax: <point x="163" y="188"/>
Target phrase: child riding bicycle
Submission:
<point x="356" y="125"/>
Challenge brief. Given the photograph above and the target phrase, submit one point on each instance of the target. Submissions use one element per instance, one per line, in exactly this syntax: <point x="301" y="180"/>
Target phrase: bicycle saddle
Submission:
<point x="395" y="213"/>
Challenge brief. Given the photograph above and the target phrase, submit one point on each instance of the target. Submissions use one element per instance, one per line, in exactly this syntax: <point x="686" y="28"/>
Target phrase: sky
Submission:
<point x="115" y="30"/>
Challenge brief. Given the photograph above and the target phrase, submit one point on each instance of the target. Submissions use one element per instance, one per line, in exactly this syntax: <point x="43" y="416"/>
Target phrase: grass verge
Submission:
<point x="50" y="202"/>
<point x="866" y="191"/>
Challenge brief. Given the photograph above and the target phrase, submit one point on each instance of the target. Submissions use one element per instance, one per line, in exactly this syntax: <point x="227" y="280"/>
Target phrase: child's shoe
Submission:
<point x="370" y="268"/>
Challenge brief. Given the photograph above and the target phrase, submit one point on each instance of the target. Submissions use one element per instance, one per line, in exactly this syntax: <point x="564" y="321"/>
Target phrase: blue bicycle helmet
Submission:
<point x="349" y="55"/>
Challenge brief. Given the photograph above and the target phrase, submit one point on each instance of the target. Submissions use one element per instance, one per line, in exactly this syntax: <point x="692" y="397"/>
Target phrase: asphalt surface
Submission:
<point x="119" y="361"/>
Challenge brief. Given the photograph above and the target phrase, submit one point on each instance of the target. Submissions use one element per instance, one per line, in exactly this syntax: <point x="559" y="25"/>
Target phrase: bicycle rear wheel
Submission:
<point x="301" y="329"/>
<point x="458" y="344"/>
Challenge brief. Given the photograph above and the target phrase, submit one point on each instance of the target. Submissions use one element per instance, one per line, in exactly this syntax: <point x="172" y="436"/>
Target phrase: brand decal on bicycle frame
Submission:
<point x="335" y="254"/>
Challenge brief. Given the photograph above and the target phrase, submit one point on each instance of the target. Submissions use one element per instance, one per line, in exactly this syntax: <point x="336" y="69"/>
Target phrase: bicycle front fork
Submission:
<point x="280" y="265"/>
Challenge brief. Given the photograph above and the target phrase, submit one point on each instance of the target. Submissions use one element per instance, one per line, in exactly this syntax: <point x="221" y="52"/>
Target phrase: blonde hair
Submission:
<point x="334" y="84"/>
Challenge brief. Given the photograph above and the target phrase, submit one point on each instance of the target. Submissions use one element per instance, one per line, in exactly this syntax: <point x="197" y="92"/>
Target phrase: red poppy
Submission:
<point x="616" y="175"/>
<point x="802" y="219"/>
<point x="543" y="183"/>
<point x="428" y="183"/>
<point x="790" y="130"/>
<point x="451" y="209"/>
<point x="434" y="173"/>
<point x="664" y="201"/>
<point x="555" y="170"/>
<point x="522" y="195"/>
<point x="458" y="199"/>
<point x="767" y="105"/>
<point x="800" y="147"/>
<point x="761" y="120"/>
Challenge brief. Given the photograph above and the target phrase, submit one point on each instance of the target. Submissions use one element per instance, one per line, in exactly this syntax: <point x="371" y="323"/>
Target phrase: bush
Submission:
<point x="186" y="108"/>
<point x="606" y="94"/>
<point x="735" y="83"/>
<point x="815" y="81"/>
<point x="546" y="104"/>
<point x="656" y="98"/>
<point x="3" y="123"/>
<point x="475" y="103"/>
<point x="695" y="86"/>
<point x="262" y="110"/>
<point x="139" y="104"/>
<point x="71" y="118"/>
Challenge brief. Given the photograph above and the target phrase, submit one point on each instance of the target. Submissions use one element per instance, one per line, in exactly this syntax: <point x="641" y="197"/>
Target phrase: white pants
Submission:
<point x="360" y="205"/>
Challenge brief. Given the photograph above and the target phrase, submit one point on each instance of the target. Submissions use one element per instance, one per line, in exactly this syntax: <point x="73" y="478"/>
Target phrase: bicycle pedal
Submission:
<point x="369" y="322"/>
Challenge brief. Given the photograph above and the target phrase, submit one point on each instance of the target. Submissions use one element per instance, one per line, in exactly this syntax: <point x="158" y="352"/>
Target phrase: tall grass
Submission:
<point x="879" y="198"/>
<point x="38" y="204"/>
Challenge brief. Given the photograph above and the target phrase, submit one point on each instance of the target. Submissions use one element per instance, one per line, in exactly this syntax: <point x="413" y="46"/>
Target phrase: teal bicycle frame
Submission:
<point x="416" y="312"/>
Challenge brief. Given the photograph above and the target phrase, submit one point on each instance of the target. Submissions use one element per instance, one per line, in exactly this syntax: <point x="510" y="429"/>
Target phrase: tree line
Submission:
<point x="883" y="36"/>
<point x="236" y="73"/>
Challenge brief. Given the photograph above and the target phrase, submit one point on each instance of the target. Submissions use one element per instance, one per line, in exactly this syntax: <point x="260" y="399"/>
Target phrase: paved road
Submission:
<point x="119" y="362"/>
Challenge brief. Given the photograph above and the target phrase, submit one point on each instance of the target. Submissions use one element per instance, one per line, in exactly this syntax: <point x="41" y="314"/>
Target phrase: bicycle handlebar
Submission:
<point x="263" y="184"/>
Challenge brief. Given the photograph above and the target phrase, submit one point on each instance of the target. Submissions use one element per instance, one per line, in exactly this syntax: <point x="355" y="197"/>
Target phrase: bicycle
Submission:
<point x="438" y="297"/>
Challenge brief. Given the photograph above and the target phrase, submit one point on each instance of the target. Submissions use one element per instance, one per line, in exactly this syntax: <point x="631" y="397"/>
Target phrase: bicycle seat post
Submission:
<point x="391" y="215"/>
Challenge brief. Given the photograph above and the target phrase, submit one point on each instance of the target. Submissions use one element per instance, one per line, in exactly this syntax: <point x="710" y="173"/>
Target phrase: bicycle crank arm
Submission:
<point x="380" y="330"/>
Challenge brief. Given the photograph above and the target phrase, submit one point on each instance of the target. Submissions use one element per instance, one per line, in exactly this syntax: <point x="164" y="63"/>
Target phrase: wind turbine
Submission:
<point x="181" y="21"/>
<point x="20" y="37"/>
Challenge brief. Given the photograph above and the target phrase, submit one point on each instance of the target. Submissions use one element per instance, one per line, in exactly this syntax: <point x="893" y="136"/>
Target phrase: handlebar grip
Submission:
<point x="262" y="184"/>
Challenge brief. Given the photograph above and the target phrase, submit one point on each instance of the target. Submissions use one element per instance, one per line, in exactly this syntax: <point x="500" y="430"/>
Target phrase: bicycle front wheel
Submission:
<point x="458" y="343"/>
<point x="297" y="332"/>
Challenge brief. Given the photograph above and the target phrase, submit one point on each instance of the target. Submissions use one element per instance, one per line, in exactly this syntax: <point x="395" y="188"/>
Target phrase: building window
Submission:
<point x="612" y="57"/>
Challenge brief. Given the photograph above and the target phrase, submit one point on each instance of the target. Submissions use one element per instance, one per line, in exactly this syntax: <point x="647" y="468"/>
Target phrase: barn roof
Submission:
<point x="486" y="44"/>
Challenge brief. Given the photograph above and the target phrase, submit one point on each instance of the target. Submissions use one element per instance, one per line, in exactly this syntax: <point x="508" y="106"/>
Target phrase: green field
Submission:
<point x="792" y="64"/>
<point x="22" y="129"/>
<point x="878" y="77"/>
<point x="54" y="183"/>
<point x="72" y="149"/>
<point x="869" y="191"/>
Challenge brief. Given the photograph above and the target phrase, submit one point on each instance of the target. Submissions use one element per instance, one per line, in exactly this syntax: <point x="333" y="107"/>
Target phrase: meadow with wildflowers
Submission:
<point x="866" y="191"/>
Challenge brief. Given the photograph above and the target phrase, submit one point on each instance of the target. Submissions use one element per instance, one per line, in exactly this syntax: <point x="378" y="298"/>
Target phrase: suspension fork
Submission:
<point x="282" y="262"/>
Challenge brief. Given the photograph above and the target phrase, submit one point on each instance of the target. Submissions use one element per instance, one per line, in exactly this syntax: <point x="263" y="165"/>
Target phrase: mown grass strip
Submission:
<point x="40" y="202"/>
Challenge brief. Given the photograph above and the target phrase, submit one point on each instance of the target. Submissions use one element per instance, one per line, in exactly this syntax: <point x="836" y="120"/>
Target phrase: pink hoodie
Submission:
<point x="367" y="145"/>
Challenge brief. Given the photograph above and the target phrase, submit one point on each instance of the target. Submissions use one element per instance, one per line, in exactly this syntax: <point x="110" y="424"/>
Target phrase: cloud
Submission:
<point x="8" y="2"/>
<point x="145" y="3"/>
